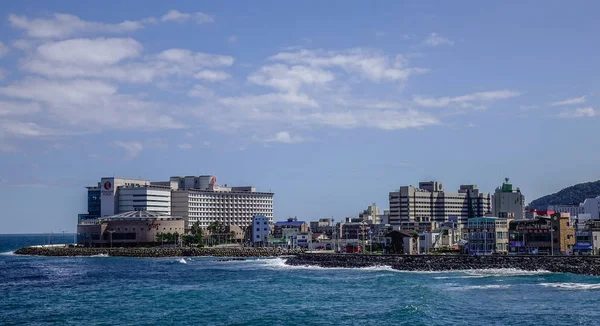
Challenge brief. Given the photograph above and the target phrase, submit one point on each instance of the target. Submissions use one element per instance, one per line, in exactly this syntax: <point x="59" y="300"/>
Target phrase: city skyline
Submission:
<point x="329" y="106"/>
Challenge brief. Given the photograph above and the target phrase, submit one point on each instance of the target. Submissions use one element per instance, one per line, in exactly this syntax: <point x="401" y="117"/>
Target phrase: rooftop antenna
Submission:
<point x="506" y="180"/>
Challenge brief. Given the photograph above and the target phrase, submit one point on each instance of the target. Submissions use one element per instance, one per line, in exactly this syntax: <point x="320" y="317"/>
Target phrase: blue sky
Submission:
<point x="331" y="105"/>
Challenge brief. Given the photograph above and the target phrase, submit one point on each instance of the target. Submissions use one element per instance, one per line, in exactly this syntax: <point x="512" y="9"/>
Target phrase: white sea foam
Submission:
<point x="8" y="253"/>
<point x="503" y="272"/>
<point x="100" y="255"/>
<point x="458" y="277"/>
<point x="480" y="287"/>
<point x="182" y="261"/>
<point x="573" y="286"/>
<point x="279" y="263"/>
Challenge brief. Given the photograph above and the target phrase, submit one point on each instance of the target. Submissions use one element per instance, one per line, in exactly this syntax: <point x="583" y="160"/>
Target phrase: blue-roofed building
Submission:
<point x="287" y="233"/>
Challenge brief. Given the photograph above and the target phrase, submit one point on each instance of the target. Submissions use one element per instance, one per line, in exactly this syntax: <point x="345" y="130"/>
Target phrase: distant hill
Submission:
<point x="570" y="195"/>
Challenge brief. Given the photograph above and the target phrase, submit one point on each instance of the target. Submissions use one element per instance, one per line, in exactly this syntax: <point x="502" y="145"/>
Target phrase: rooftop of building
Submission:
<point x="290" y="223"/>
<point x="139" y="215"/>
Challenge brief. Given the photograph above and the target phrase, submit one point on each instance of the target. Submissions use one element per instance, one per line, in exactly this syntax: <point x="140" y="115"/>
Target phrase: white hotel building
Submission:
<point x="210" y="202"/>
<point x="195" y="198"/>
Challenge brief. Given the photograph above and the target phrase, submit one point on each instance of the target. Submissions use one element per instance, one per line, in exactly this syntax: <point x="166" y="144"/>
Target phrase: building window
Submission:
<point x="257" y="229"/>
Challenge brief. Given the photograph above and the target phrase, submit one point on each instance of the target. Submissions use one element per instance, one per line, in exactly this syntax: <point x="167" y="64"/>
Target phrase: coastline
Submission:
<point x="62" y="251"/>
<point x="586" y="265"/>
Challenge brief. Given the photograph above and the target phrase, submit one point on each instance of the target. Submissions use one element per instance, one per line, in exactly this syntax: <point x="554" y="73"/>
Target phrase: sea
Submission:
<point x="204" y="291"/>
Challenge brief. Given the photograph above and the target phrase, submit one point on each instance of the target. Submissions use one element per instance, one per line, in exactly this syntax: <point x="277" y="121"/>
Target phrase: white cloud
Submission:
<point x="370" y="64"/>
<point x="3" y="49"/>
<point x="201" y="91"/>
<point x="570" y="101"/>
<point x="206" y="143"/>
<point x="189" y="134"/>
<point x="232" y="39"/>
<point x="65" y="25"/>
<point x="177" y="16"/>
<point x="184" y="146"/>
<point x="212" y="75"/>
<point x="253" y="101"/>
<point x="90" y="104"/>
<point x="434" y="40"/>
<point x="132" y="148"/>
<point x="290" y="79"/>
<point x="187" y="57"/>
<point x="24" y="129"/>
<point x="588" y="112"/>
<point x="529" y="107"/>
<point x="285" y="137"/>
<point x="95" y="52"/>
<point x="13" y="108"/>
<point x="464" y="100"/>
<point x="118" y="59"/>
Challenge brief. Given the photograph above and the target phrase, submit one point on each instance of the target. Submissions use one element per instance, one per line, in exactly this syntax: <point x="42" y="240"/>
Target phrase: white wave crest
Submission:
<point x="279" y="263"/>
<point x="573" y="286"/>
<point x="480" y="287"/>
<point x="499" y="272"/>
<point x="100" y="255"/>
<point x="182" y="261"/>
<point x="8" y="253"/>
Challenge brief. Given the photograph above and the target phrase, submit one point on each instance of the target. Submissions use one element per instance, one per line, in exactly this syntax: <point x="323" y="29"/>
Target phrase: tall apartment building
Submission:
<point x="201" y="199"/>
<point x="431" y="203"/>
<point x="507" y="202"/>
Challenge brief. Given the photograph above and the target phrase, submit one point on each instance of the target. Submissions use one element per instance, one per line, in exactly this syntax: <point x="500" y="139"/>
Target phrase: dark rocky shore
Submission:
<point x="154" y="252"/>
<point x="588" y="265"/>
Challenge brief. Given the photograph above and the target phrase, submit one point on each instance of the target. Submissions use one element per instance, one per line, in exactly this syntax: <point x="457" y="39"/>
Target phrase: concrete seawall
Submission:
<point x="154" y="252"/>
<point x="560" y="264"/>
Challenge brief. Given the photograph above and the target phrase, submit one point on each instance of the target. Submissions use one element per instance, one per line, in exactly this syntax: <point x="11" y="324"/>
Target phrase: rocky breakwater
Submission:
<point x="154" y="252"/>
<point x="589" y="265"/>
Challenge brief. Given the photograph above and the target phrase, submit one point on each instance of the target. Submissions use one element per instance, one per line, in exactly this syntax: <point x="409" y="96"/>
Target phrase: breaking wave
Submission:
<point x="573" y="286"/>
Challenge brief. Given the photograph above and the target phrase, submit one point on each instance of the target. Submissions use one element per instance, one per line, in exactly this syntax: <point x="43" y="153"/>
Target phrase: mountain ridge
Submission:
<point x="568" y="196"/>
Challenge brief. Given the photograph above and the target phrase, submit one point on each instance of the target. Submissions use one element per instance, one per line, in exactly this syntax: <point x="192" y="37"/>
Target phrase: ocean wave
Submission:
<point x="279" y="263"/>
<point x="458" y="277"/>
<point x="481" y="287"/>
<point x="573" y="286"/>
<point x="8" y="253"/>
<point x="504" y="272"/>
<point x="100" y="255"/>
<point x="182" y="261"/>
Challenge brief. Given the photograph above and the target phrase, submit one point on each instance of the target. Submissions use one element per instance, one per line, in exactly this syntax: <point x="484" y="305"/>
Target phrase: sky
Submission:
<point x="329" y="104"/>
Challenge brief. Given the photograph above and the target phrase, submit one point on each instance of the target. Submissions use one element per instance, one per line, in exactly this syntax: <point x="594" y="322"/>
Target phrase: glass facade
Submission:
<point x="94" y="202"/>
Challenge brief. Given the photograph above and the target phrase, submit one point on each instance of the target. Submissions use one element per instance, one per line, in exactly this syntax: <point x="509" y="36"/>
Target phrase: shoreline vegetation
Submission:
<point x="587" y="265"/>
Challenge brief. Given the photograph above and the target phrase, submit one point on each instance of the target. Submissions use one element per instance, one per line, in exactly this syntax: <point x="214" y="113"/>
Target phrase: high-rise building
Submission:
<point x="194" y="198"/>
<point x="507" y="202"/>
<point x="370" y="214"/>
<point x="211" y="202"/>
<point x="431" y="203"/>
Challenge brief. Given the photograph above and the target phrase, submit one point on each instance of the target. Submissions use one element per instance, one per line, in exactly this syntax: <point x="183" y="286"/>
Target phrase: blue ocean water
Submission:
<point x="203" y="291"/>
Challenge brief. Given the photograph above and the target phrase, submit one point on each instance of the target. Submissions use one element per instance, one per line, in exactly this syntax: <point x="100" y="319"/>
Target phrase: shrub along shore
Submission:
<point x="588" y="265"/>
<point x="155" y="252"/>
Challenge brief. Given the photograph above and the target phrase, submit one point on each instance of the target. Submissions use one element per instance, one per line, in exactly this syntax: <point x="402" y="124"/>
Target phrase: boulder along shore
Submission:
<point x="588" y="265"/>
<point x="154" y="252"/>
